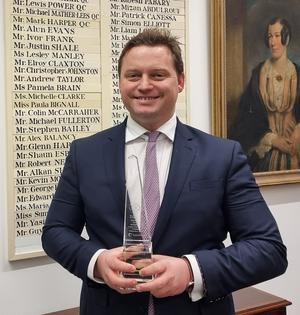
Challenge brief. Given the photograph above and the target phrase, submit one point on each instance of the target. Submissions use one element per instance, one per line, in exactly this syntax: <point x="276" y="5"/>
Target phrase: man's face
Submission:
<point x="274" y="36"/>
<point x="149" y="85"/>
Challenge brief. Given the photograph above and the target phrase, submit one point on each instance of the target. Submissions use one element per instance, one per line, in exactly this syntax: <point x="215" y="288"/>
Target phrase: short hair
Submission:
<point x="155" y="37"/>
<point x="286" y="32"/>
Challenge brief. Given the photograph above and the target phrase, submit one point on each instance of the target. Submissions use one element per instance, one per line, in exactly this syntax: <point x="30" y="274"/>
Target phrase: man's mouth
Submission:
<point x="146" y="98"/>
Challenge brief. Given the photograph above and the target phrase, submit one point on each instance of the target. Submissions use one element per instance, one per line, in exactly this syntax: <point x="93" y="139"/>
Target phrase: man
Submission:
<point x="206" y="190"/>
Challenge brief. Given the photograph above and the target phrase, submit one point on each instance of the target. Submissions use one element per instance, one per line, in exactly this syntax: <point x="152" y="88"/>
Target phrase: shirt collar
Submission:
<point x="134" y="130"/>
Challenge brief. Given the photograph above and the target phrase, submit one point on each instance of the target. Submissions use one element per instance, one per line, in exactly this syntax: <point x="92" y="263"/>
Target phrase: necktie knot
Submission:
<point x="152" y="136"/>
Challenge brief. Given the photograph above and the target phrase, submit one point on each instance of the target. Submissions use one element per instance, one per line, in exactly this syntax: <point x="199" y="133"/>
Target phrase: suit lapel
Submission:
<point x="183" y="155"/>
<point x="114" y="152"/>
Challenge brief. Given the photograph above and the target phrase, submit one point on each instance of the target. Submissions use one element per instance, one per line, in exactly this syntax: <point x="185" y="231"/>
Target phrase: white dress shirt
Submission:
<point x="135" y="149"/>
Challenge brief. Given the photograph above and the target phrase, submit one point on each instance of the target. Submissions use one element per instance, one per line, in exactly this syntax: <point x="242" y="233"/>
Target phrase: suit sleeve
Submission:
<point x="61" y="238"/>
<point x="257" y="253"/>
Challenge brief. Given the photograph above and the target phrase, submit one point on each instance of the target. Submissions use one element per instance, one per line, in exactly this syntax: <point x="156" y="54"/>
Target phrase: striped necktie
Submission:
<point x="151" y="194"/>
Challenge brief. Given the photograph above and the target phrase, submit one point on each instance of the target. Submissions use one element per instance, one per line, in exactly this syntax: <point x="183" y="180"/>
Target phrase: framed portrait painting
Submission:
<point x="255" y="72"/>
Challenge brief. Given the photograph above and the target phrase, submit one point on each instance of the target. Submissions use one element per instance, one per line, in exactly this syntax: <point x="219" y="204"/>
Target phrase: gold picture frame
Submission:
<point x="228" y="30"/>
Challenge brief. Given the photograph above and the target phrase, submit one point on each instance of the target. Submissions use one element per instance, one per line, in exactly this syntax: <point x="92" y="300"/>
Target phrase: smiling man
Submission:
<point x="203" y="190"/>
<point x="149" y="84"/>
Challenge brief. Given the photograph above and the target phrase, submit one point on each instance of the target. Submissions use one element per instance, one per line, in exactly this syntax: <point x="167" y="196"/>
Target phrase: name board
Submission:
<point x="62" y="84"/>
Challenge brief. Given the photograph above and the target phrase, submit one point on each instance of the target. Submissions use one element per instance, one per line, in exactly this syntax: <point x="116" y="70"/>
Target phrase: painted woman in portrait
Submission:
<point x="267" y="123"/>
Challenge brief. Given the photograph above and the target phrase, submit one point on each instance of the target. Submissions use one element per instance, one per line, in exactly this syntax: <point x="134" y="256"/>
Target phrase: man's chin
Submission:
<point x="144" y="116"/>
<point x="144" y="109"/>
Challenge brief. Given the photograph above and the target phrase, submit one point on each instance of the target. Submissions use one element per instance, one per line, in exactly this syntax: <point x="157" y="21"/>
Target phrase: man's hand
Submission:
<point x="172" y="276"/>
<point x="109" y="267"/>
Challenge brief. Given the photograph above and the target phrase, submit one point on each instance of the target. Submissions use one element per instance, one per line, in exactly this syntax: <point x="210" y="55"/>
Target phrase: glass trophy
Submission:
<point x="137" y="245"/>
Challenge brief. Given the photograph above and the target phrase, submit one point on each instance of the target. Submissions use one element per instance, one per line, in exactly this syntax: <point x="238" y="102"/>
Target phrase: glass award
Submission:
<point x="137" y="245"/>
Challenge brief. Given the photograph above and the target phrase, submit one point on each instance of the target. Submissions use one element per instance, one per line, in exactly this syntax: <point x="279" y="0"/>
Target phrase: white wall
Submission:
<point x="38" y="285"/>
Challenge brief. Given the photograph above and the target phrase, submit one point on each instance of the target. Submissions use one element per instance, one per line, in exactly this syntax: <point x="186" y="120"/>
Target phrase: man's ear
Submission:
<point x="181" y="79"/>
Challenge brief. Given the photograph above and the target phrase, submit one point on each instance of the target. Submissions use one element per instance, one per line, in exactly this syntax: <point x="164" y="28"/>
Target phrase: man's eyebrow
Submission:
<point x="151" y="70"/>
<point x="131" y="70"/>
<point x="159" y="69"/>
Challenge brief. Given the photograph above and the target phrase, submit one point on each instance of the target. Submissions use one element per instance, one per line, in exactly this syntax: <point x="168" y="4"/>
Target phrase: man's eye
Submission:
<point x="132" y="76"/>
<point x="158" y="76"/>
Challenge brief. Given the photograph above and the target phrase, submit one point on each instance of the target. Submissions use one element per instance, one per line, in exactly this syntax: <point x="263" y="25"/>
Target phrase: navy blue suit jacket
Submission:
<point x="210" y="191"/>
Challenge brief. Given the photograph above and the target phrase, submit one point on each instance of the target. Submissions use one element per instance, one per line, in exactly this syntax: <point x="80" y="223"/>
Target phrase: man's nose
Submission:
<point x="145" y="83"/>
